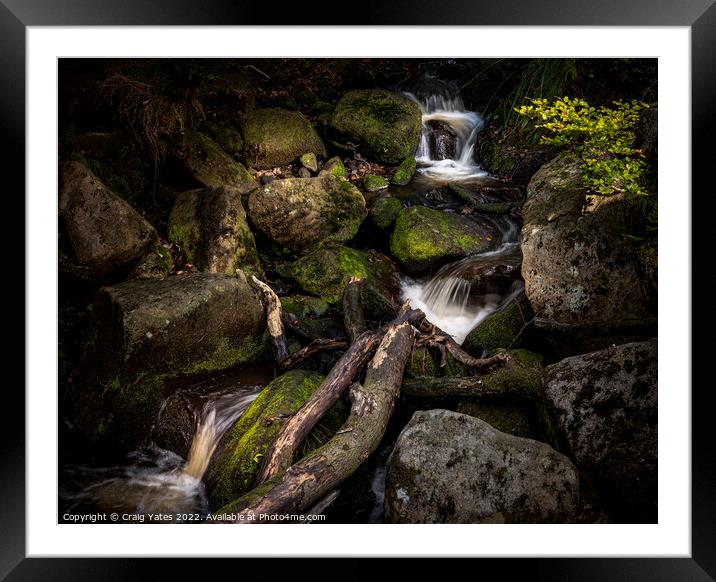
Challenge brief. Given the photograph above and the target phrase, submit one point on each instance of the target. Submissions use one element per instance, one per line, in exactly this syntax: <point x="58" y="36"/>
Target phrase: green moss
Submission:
<point x="276" y="137"/>
<point x="249" y="439"/>
<point x="309" y="161"/>
<point x="325" y="272"/>
<point x="384" y="211"/>
<point x="226" y="356"/>
<point x="228" y="138"/>
<point x="373" y="182"/>
<point x="304" y="306"/>
<point x="404" y="173"/>
<point x="210" y="165"/>
<point x="501" y="329"/>
<point x="522" y="374"/>
<point x="421" y="364"/>
<point x="423" y="235"/>
<point x="386" y="125"/>
<point x="184" y="231"/>
<point x="511" y="417"/>
<point x="335" y="167"/>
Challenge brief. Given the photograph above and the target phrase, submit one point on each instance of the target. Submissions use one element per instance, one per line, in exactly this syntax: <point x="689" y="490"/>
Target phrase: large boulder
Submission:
<point x="425" y="238"/>
<point x="325" y="272"/>
<point x="447" y="467"/>
<point x="104" y="233"/>
<point x="579" y="267"/>
<point x="210" y="226"/>
<point x="299" y="213"/>
<point x="385" y="125"/>
<point x="145" y="332"/>
<point x="605" y="406"/>
<point x="209" y="165"/>
<point x="276" y="137"/>
<point x="234" y="467"/>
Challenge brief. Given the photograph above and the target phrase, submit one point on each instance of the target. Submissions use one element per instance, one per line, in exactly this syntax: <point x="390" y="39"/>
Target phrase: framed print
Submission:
<point x="396" y="279"/>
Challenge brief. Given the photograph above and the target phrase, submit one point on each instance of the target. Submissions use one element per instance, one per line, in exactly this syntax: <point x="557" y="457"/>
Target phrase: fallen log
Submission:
<point x="273" y="320"/>
<point x="280" y="454"/>
<point x="306" y="352"/>
<point x="309" y="480"/>
<point x="353" y="308"/>
<point x="463" y="387"/>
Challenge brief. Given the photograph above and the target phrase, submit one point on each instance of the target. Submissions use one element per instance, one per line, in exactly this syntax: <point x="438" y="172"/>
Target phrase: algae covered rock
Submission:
<point x="103" y="232"/>
<point x="404" y="172"/>
<point x="447" y="467"/>
<point x="304" y="305"/>
<point x="211" y="228"/>
<point x="299" y="213"/>
<point x="144" y="332"/>
<point x="228" y="138"/>
<point x="309" y="162"/>
<point x="325" y="272"/>
<point x="276" y="137"/>
<point x="425" y="238"/>
<point x="210" y="165"/>
<point x="334" y="166"/>
<point x="384" y="211"/>
<point x="605" y="406"/>
<point x="373" y="182"/>
<point x="385" y="125"/>
<point x="502" y="329"/>
<point x="233" y="470"/>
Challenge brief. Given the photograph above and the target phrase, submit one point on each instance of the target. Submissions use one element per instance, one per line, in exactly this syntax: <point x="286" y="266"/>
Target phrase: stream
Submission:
<point x="155" y="479"/>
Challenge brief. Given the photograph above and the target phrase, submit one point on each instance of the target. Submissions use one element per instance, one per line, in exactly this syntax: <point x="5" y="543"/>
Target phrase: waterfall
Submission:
<point x="214" y="419"/>
<point x="158" y="480"/>
<point x="462" y="128"/>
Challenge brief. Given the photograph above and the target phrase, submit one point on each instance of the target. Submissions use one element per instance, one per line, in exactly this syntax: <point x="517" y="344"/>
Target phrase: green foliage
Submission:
<point x="603" y="138"/>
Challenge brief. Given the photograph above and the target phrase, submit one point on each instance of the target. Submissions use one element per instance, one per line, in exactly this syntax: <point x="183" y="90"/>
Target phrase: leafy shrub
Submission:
<point x="603" y="138"/>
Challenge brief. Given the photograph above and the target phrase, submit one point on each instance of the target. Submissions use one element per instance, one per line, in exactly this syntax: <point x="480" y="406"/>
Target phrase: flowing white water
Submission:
<point x="464" y="124"/>
<point x="160" y="481"/>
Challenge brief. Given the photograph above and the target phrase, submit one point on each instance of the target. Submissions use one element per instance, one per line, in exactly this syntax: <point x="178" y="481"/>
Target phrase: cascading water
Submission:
<point x="446" y="154"/>
<point x="454" y="162"/>
<point x="158" y="480"/>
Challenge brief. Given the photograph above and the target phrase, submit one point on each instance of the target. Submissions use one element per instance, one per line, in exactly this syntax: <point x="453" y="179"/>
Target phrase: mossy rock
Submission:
<point x="304" y="306"/>
<point x="211" y="227"/>
<point x="276" y="137"/>
<point x="385" y="125"/>
<point x="233" y="471"/>
<point x="335" y="167"/>
<point x="501" y="329"/>
<point x="511" y="417"/>
<point x="425" y="238"/>
<point x="384" y="211"/>
<point x="373" y="182"/>
<point x="228" y="138"/>
<point x="309" y="162"/>
<point x="404" y="173"/>
<point x="300" y="213"/>
<point x="210" y="165"/>
<point x="156" y="264"/>
<point x="145" y="332"/>
<point x="325" y="272"/>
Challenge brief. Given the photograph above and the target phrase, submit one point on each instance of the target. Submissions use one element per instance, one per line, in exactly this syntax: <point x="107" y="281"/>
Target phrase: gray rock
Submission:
<point x="145" y="332"/>
<point x="579" y="268"/>
<point x="605" y="406"/>
<point x="104" y="233"/>
<point x="299" y="213"/>
<point x="210" y="226"/>
<point x="451" y="468"/>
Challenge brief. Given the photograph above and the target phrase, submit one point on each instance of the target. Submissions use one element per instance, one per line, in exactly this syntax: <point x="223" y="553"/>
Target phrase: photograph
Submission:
<point x="366" y="290"/>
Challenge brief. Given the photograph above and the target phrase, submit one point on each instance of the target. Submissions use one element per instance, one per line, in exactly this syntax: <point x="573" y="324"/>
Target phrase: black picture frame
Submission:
<point x="17" y="15"/>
